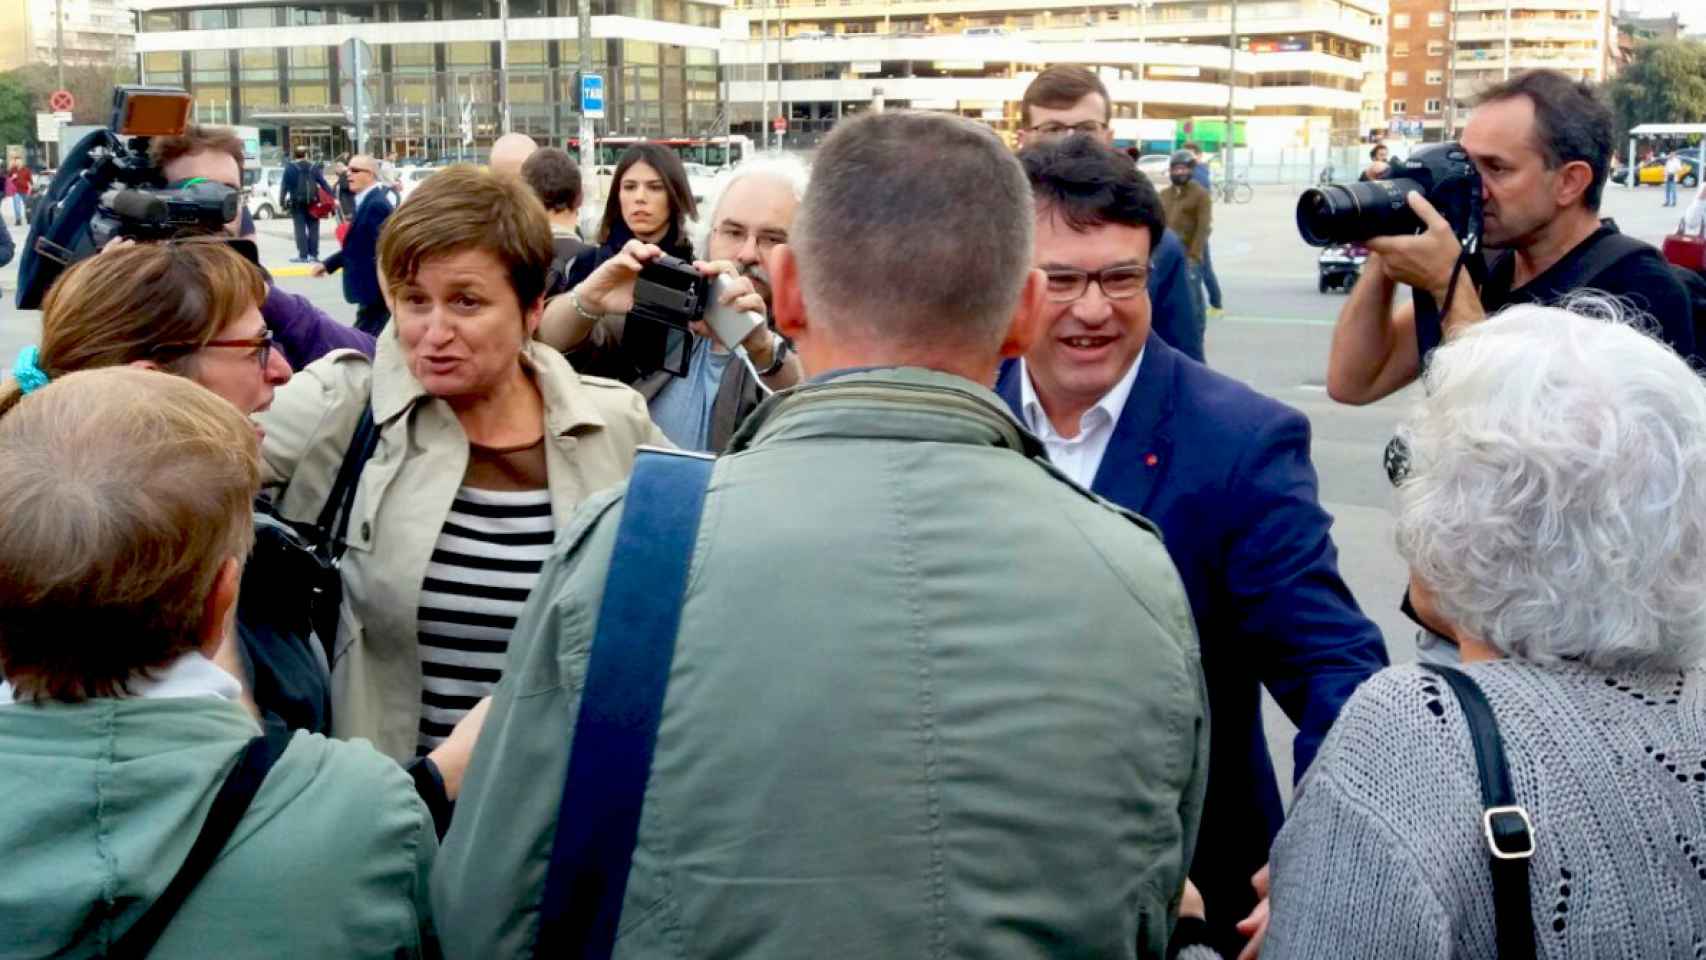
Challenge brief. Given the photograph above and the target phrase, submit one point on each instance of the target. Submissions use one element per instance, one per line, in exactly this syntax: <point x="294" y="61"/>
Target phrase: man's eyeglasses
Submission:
<point x="1054" y="129"/>
<point x="367" y="170"/>
<point x="735" y="234"/>
<point x="1116" y="283"/>
<point x="262" y="345"/>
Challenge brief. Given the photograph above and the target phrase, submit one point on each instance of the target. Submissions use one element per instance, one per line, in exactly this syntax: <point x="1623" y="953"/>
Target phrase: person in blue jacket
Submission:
<point x="1224" y="472"/>
<point x="359" y="257"/>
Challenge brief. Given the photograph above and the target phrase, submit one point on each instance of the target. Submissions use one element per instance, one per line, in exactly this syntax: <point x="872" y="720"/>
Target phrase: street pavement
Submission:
<point x="1274" y="336"/>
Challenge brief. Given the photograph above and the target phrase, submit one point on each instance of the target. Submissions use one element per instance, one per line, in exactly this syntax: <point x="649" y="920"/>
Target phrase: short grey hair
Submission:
<point x="785" y="167"/>
<point x="1556" y="504"/>
<point x="916" y="231"/>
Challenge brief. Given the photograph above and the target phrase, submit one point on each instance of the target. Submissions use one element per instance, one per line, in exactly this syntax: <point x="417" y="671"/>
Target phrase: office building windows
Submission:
<point x="1400" y="50"/>
<point x="1436" y="18"/>
<point x="210" y="19"/>
<point x="1400" y="21"/>
<point x="1435" y="78"/>
<point x="310" y="77"/>
<point x="1433" y="106"/>
<point x="158" y="21"/>
<point x="1400" y="78"/>
<point x="1436" y="48"/>
<point x="1399" y="107"/>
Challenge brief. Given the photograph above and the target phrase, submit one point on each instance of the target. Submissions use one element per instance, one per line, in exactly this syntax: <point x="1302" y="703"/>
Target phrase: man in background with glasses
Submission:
<point x="1067" y="99"/>
<point x="749" y="217"/>
<point x="359" y="256"/>
<point x="1224" y="471"/>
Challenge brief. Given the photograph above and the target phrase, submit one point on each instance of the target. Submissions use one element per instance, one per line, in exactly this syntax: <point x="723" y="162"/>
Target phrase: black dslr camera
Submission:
<point x="107" y="186"/>
<point x="1353" y="212"/>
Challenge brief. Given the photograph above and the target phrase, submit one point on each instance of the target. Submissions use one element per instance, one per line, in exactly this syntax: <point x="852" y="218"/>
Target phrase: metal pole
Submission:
<point x="764" y="75"/>
<point x="503" y="59"/>
<point x="1231" y="87"/>
<point x="583" y="44"/>
<point x="59" y="41"/>
<point x="358" y="77"/>
<point x="1507" y="39"/>
<point x="1142" y="12"/>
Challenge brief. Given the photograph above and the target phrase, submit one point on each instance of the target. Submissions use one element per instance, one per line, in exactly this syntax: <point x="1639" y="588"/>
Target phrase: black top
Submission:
<point x="1642" y="277"/>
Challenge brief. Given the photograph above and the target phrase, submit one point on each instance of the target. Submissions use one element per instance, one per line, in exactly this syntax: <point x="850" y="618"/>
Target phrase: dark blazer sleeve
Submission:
<point x="1172" y="309"/>
<point x="287" y="186"/>
<point x="7" y="248"/>
<point x="1312" y="643"/>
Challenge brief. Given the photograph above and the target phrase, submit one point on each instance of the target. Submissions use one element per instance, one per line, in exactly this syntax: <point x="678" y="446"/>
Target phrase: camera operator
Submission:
<point x="1541" y="143"/>
<point x="300" y="330"/>
<point x="700" y="411"/>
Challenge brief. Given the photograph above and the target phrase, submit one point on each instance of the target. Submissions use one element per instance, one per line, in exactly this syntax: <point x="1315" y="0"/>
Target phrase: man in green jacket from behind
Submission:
<point x="928" y="698"/>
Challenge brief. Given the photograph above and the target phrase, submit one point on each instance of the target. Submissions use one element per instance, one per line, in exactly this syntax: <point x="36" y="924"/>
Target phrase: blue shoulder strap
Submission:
<point x="610" y="759"/>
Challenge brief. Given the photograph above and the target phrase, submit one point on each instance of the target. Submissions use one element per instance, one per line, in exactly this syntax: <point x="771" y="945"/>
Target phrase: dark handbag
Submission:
<point x="329" y="529"/>
<point x="1504" y="822"/>
<point x="610" y="759"/>
<point x="1688" y="252"/>
<point x="229" y="805"/>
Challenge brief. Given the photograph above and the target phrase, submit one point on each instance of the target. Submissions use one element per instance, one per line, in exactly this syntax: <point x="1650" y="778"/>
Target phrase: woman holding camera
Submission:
<point x="487" y="442"/>
<point x="1552" y="508"/>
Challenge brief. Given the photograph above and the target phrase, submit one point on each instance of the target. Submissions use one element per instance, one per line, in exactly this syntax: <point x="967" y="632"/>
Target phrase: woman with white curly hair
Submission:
<point x="1553" y="514"/>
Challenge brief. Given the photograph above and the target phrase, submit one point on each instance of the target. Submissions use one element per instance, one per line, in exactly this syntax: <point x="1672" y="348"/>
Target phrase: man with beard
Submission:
<point x="749" y="218"/>
<point x="1542" y="144"/>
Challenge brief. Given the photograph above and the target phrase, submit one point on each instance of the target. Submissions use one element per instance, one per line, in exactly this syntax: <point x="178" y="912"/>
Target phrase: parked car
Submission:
<point x="263" y="197"/>
<point x="1652" y="172"/>
<point x="408" y="178"/>
<point x="1154" y="166"/>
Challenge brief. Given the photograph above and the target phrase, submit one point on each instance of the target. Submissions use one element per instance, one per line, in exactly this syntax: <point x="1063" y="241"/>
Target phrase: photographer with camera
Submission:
<point x="1526" y="182"/>
<point x="302" y="332"/>
<point x="594" y="323"/>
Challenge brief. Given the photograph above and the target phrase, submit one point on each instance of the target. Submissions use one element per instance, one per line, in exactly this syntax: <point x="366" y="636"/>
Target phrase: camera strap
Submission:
<point x="627" y="673"/>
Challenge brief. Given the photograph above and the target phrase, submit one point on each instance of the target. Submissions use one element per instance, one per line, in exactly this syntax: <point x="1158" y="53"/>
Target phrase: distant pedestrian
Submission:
<point x="18" y="180"/>
<point x="1190" y="214"/>
<point x="1673" y="172"/>
<point x="359" y="255"/>
<point x="1211" y="283"/>
<point x="298" y="192"/>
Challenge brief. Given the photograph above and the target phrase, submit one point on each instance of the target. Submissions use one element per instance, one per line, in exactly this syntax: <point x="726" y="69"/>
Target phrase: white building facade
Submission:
<point x="1304" y="71"/>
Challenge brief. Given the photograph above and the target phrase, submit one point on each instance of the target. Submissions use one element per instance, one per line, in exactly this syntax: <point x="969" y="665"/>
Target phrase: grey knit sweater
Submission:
<point x="1383" y="854"/>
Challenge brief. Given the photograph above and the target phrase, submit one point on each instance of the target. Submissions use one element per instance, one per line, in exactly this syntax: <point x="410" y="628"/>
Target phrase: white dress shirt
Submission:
<point x="1078" y="457"/>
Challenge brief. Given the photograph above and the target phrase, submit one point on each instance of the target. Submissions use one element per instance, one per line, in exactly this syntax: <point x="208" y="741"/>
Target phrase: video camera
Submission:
<point x="107" y="187"/>
<point x="669" y="294"/>
<point x="1352" y="213"/>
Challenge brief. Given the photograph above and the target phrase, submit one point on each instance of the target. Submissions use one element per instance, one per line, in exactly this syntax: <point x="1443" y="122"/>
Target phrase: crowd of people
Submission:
<point x="930" y="618"/>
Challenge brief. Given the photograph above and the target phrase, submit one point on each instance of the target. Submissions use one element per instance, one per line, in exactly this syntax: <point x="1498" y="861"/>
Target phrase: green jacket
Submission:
<point x="104" y="798"/>
<point x="928" y="699"/>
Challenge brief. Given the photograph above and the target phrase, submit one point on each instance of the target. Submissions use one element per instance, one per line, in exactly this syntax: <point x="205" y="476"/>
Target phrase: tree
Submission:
<point x="90" y="84"/>
<point x="17" y="116"/>
<point x="1665" y="82"/>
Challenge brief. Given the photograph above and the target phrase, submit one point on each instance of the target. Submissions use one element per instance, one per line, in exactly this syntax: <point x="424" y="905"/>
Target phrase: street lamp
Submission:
<point x="1231" y="87"/>
<point x="1141" y="8"/>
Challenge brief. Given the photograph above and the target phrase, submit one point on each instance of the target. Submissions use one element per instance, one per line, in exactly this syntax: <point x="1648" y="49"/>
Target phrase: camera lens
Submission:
<point x="1350" y="213"/>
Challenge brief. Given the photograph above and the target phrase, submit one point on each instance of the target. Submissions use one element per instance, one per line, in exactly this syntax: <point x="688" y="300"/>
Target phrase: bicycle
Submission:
<point x="1235" y="190"/>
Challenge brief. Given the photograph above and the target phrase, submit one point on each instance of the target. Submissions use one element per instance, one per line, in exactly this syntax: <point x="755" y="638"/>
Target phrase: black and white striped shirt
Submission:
<point x="484" y="565"/>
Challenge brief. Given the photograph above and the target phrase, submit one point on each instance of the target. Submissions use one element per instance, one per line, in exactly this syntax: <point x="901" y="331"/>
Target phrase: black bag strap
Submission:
<point x="1504" y="822"/>
<point x="333" y="522"/>
<point x="610" y="759"/>
<point x="229" y="805"/>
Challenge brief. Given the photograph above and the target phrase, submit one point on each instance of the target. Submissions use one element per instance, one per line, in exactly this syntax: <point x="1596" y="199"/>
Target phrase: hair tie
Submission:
<point x="26" y="371"/>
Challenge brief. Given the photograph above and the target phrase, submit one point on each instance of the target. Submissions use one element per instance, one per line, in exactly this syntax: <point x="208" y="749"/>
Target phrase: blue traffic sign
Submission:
<point x="592" y="96"/>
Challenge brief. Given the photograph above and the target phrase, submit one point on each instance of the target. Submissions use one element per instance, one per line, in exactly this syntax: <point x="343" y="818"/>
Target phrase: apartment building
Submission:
<point x="1441" y="51"/>
<point x="1299" y="75"/>
<point x="438" y="87"/>
<point x="97" y="32"/>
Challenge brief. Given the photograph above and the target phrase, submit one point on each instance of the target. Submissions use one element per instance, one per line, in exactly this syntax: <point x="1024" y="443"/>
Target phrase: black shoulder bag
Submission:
<point x="1504" y="822"/>
<point x="232" y="801"/>
<point x="331" y="527"/>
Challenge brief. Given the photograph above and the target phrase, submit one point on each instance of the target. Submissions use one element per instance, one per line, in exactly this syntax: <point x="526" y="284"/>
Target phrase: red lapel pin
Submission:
<point x="1151" y="460"/>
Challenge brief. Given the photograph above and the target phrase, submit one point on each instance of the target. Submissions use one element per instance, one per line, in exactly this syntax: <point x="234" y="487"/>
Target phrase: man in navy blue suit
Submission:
<point x="1067" y="98"/>
<point x="1223" y="470"/>
<point x="359" y="257"/>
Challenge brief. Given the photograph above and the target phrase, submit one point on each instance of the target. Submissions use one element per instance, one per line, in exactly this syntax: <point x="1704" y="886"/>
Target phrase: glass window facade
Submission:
<point x="417" y="98"/>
